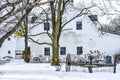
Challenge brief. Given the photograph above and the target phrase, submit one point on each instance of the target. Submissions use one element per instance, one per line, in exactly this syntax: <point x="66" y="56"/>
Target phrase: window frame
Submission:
<point x="62" y="50"/>
<point x="79" y="25"/>
<point x="79" y="50"/>
<point x="47" y="51"/>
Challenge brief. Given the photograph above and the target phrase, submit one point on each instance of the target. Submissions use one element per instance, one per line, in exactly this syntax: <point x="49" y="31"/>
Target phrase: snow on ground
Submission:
<point x="19" y="70"/>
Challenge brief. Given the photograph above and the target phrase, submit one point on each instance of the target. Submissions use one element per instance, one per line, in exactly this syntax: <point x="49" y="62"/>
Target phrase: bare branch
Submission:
<point x="67" y="29"/>
<point x="2" y="39"/>
<point x="9" y="4"/>
<point x="78" y="15"/>
<point x="40" y="34"/>
<point x="43" y="43"/>
<point x="35" y="25"/>
<point x="28" y="6"/>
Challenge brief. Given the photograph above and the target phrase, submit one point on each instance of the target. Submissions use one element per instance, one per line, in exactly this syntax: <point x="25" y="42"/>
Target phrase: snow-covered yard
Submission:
<point x="19" y="70"/>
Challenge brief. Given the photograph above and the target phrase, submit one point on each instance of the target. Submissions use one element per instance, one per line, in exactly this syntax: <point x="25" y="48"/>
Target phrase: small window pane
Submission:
<point x="18" y="56"/>
<point x="33" y="19"/>
<point x="62" y="50"/>
<point x="46" y="51"/>
<point x="8" y="39"/>
<point x="78" y="25"/>
<point x="9" y="52"/>
<point x="79" y="50"/>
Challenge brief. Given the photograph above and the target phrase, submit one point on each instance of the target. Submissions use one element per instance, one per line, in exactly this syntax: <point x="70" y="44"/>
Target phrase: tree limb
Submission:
<point x="28" y="6"/>
<point x="78" y="15"/>
<point x="2" y="39"/>
<point x="10" y="4"/>
<point x="40" y="34"/>
<point x="43" y="43"/>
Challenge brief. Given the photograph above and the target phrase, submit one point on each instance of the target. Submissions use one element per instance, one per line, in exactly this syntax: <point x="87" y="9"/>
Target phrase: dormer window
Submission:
<point x="78" y="25"/>
<point x="93" y="17"/>
<point x="34" y="18"/>
<point x="46" y="26"/>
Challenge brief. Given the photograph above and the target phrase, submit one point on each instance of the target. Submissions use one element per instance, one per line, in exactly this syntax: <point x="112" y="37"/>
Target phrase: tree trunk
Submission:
<point x="26" y="36"/>
<point x="55" y="52"/>
<point x="26" y="44"/>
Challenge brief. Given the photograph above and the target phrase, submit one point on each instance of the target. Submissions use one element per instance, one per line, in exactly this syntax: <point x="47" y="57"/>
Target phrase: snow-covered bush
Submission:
<point x="96" y="56"/>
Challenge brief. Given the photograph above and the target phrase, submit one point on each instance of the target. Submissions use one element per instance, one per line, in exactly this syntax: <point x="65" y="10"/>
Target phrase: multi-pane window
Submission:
<point x="62" y="50"/>
<point x="79" y="50"/>
<point x="47" y="51"/>
<point x="46" y="26"/>
<point x="78" y="25"/>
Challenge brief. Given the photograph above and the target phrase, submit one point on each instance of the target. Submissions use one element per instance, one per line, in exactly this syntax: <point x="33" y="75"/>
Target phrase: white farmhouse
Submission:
<point x="78" y="37"/>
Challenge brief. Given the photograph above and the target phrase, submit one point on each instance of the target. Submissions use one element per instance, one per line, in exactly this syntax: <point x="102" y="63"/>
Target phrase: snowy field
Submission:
<point x="19" y="70"/>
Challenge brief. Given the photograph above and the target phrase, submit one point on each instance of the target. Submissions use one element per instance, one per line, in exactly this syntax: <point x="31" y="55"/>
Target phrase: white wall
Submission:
<point x="70" y="38"/>
<point x="11" y="45"/>
<point x="8" y="46"/>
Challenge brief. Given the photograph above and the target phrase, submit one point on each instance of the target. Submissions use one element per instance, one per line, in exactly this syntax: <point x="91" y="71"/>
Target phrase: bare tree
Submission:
<point x="54" y="14"/>
<point x="113" y="27"/>
<point x="110" y="11"/>
<point x="57" y="25"/>
<point x="11" y="12"/>
<point x="57" y="9"/>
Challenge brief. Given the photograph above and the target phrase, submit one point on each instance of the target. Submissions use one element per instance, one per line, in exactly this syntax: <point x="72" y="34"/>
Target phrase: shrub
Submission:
<point x="27" y="58"/>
